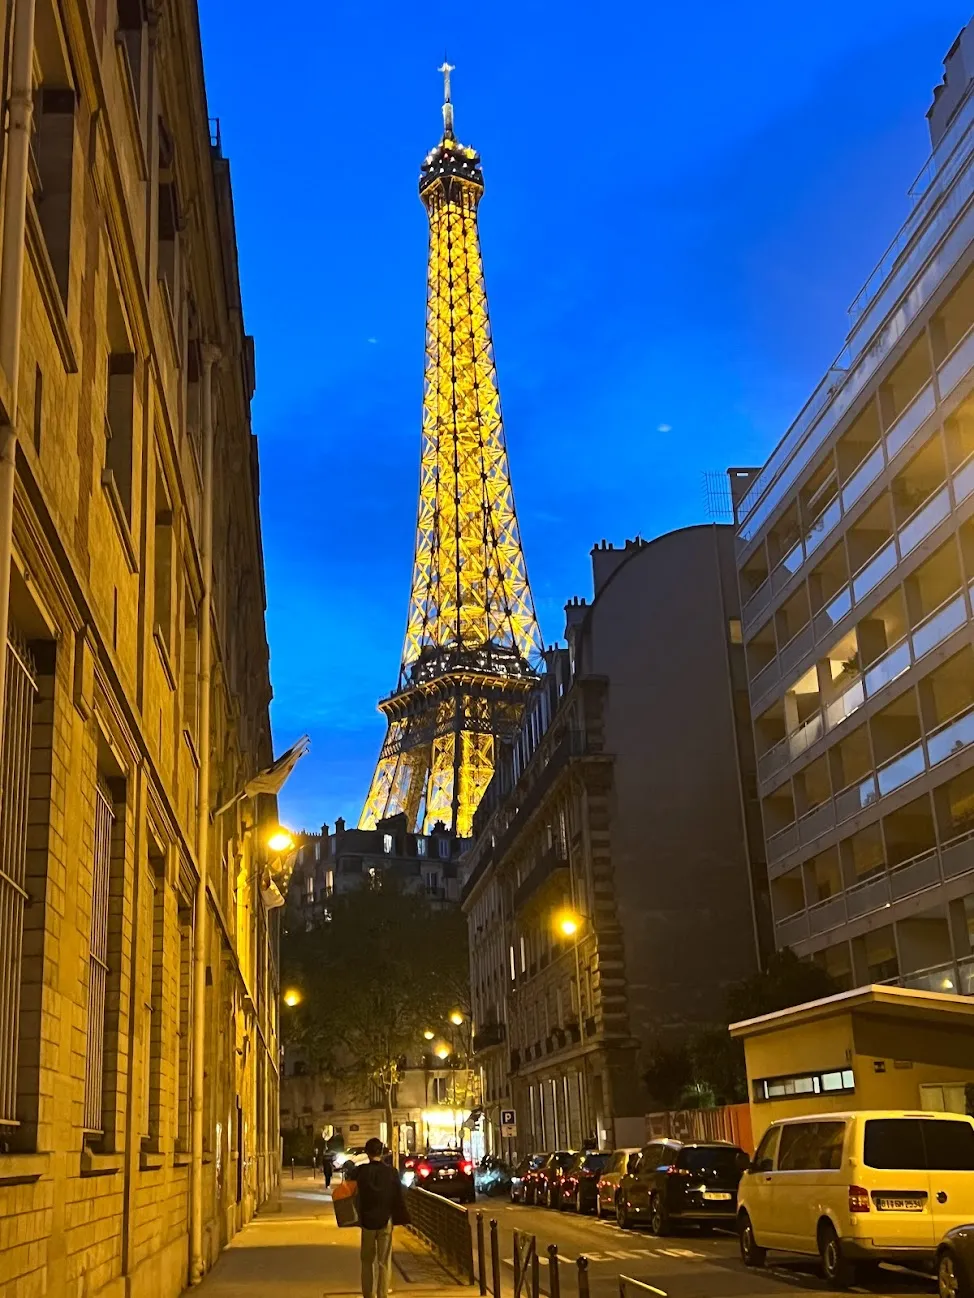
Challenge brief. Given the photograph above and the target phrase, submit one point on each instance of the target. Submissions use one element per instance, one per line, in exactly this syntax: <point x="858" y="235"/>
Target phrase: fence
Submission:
<point x="732" y="1122"/>
<point x="445" y="1227"/>
<point x="527" y="1266"/>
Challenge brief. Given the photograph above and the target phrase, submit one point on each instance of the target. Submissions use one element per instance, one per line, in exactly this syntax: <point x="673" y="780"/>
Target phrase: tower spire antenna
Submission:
<point x="446" y="68"/>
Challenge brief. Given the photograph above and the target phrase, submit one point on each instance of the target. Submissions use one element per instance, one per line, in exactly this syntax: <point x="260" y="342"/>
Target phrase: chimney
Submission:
<point x="958" y="73"/>
<point x="607" y="558"/>
<point x="339" y="825"/>
<point x="575" y="611"/>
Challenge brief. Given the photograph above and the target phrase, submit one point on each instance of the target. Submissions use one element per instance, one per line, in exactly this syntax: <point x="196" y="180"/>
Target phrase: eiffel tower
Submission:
<point x="472" y="640"/>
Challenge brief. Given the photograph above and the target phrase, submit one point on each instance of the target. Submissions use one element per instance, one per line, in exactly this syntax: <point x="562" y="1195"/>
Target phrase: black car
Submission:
<point x="523" y="1178"/>
<point x="580" y="1182"/>
<point x="547" y="1188"/>
<point x="955" y="1263"/>
<point x="675" y="1183"/>
<point x="445" y="1172"/>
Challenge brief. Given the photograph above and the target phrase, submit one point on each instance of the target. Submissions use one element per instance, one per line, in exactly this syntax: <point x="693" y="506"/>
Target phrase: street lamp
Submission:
<point x="428" y="1035"/>
<point x="456" y="1018"/>
<point x="442" y="1050"/>
<point x="292" y="997"/>
<point x="280" y="841"/>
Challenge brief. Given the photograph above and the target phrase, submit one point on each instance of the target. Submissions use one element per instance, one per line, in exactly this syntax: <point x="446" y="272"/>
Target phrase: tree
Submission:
<point x="382" y="967"/>
<point x="785" y="981"/>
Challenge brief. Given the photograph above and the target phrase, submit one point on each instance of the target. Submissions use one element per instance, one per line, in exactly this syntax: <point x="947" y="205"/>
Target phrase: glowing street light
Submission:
<point x="292" y="997"/>
<point x="429" y="1035"/>
<point x="280" y="841"/>
<point x="442" y="1051"/>
<point x="456" y="1018"/>
<point x="568" y="923"/>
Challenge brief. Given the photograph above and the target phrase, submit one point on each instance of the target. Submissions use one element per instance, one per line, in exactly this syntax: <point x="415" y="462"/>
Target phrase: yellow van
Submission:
<point x="858" y="1189"/>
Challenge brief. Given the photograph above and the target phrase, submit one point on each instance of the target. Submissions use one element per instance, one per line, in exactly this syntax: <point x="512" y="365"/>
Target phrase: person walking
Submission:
<point x="381" y="1206"/>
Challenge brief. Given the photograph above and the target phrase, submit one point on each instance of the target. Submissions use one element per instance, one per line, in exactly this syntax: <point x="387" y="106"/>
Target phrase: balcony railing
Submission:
<point x="929" y="869"/>
<point x="491" y="1034"/>
<point x="549" y="864"/>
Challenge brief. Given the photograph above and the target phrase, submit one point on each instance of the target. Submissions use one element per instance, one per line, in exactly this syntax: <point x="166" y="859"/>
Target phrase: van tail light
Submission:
<point x="673" y="1170"/>
<point x="466" y="1167"/>
<point x="858" y="1199"/>
<point x="424" y="1169"/>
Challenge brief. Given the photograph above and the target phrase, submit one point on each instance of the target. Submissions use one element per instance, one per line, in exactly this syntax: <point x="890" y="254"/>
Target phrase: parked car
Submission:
<point x="580" y="1181"/>
<point x="955" y="1263"/>
<point x="353" y="1157"/>
<point x="858" y="1189"/>
<point x="617" y="1165"/>
<point x="448" y="1172"/>
<point x="547" y="1188"/>
<point x="492" y="1176"/>
<point x="522" y="1178"/>
<point x="675" y="1183"/>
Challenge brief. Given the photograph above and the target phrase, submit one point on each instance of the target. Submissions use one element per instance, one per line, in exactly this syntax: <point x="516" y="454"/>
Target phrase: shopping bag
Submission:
<point x="345" y="1202"/>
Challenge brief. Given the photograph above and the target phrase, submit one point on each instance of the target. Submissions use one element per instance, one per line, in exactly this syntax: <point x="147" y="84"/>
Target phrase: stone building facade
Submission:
<point x="626" y="806"/>
<point x="138" y="973"/>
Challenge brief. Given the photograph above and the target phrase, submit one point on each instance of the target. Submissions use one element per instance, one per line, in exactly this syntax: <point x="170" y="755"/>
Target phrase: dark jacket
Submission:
<point x="380" y="1196"/>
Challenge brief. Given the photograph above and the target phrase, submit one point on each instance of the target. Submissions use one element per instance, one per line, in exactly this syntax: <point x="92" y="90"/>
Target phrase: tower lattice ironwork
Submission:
<point x="472" y="639"/>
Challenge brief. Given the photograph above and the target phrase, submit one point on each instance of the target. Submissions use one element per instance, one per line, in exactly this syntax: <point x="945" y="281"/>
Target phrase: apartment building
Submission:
<point x="856" y="561"/>
<point x="339" y="860"/>
<point x="617" y="880"/>
<point x="138" y="971"/>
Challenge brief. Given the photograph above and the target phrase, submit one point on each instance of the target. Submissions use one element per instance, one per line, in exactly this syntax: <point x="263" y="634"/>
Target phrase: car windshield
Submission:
<point x="595" y="1162"/>
<point x="537" y="1160"/>
<point x="562" y="1160"/>
<point x="720" y="1161"/>
<point x="919" y="1145"/>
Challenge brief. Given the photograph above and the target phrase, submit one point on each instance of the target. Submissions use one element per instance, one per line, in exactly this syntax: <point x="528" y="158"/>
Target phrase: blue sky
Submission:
<point x="681" y="203"/>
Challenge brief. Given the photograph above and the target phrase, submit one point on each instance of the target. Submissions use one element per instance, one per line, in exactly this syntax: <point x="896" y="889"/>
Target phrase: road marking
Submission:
<point x="641" y="1284"/>
<point x="680" y="1252"/>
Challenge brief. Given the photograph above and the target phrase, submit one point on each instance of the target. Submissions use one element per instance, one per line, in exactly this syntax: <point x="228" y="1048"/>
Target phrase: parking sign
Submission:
<point x="508" y="1124"/>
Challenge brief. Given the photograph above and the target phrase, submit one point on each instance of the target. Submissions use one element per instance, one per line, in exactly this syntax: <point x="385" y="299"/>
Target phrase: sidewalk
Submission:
<point x="299" y="1252"/>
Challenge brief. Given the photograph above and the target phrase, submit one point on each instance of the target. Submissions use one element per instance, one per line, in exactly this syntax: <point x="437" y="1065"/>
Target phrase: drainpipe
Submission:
<point x="210" y="355"/>
<point x="20" y="107"/>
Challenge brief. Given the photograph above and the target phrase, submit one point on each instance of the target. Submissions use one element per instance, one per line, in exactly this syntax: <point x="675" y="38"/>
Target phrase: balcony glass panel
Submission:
<point x="957" y="364"/>
<point x="826" y="915"/>
<point x="878" y="567"/>
<point x="774" y="759"/>
<point x="796" y="648"/>
<point x="781" y="844"/>
<point x="964" y="480"/>
<point x="865" y="897"/>
<point x="939" y="625"/>
<point x="855" y="798"/>
<point x="904" y="767"/>
<point x="822" y="526"/>
<point x="845" y="704"/>
<point x="924" y="521"/>
<point x="957" y="856"/>
<point x="792" y="930"/>
<point x="816" y="822"/>
<point x="765" y="678"/>
<point x="788" y="566"/>
<point x="892" y="664"/>
<point x="826" y="618"/>
<point x="951" y="738"/>
<point x="941" y="978"/>
<point x="866" y="474"/>
<point x="913" y="876"/>
<point x="799" y="741"/>
<point x="966" y="970"/>
<point x="921" y="408"/>
<point x="758" y="602"/>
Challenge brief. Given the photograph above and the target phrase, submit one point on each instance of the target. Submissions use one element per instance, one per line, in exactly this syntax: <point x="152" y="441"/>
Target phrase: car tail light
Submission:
<point x="673" y="1170"/>
<point x="466" y="1167"/>
<point x="858" y="1199"/>
<point x="423" y="1169"/>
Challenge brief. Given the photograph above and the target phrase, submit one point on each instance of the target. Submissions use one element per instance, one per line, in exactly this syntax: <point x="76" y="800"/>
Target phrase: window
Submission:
<point x="811" y="1146"/>
<point x="441" y="1090"/>
<point x="309" y="889"/>
<point x="53" y="153"/>
<point x="318" y="849"/>
<point x="152" y="1043"/>
<point x="131" y="37"/>
<point x="184" y="1034"/>
<point x="162" y="562"/>
<point x="38" y="408"/>
<point x="119" y="404"/>
<point x="387" y="844"/>
<point x="329" y="882"/>
<point x="734" y="631"/>
<point x="194" y="394"/>
<point x="191" y="663"/>
<point x="18" y="706"/>
<point x="167" y="243"/>
<point x="421" y="845"/>
<point x="919" y="1144"/>
<point x="834" y="1082"/>
<point x="703" y="1162"/>
<point x="432" y="883"/>
<point x="444" y="848"/>
<point x="98" y="958"/>
<point x="764" y="1157"/>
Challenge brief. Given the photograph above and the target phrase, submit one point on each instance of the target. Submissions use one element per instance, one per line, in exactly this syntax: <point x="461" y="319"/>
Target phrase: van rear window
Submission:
<point x="919" y="1145"/>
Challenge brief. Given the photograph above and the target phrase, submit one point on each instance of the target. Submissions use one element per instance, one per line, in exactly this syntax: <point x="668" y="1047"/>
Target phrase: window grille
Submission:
<point x="19" y="690"/>
<point x="97" y="958"/>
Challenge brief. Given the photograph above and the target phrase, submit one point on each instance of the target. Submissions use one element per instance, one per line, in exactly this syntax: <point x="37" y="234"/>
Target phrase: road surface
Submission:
<point x="685" y="1265"/>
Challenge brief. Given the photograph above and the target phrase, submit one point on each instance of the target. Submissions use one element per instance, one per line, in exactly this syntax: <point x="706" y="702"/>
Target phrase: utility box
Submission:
<point x="876" y="1047"/>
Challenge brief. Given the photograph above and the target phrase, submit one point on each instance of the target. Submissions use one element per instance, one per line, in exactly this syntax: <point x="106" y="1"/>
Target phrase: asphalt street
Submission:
<point x="688" y="1264"/>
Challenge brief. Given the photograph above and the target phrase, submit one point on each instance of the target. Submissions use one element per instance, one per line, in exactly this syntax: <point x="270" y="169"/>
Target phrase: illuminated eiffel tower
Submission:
<point x="472" y="638"/>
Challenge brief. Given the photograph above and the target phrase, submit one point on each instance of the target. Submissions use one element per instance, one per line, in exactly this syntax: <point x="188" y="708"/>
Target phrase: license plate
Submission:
<point x="885" y="1203"/>
<point x="446" y="1173"/>
<point x="716" y="1196"/>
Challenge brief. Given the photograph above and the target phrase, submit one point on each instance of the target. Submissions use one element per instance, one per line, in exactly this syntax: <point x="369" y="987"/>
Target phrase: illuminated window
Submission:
<point x="734" y="630"/>
<point x="421" y="845"/>
<point x="834" y="1082"/>
<point x="387" y="844"/>
<point x="444" y="846"/>
<point x="309" y="888"/>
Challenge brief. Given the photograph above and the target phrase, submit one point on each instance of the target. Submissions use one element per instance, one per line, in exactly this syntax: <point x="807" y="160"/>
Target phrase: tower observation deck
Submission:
<point x="472" y="640"/>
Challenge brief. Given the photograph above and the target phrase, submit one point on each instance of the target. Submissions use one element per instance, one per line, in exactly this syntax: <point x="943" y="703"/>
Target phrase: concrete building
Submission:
<point x="856" y="558"/>
<point x="138" y="975"/>
<point x="626" y="806"/>
<point x="341" y="860"/>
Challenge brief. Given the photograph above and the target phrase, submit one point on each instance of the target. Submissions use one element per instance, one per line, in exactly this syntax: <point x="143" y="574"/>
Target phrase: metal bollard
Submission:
<point x="554" y="1278"/>
<point x="582" y="1264"/>
<point x="535" y="1274"/>
<point x="495" y="1259"/>
<point x="292" y="1169"/>
<point x="481" y="1273"/>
